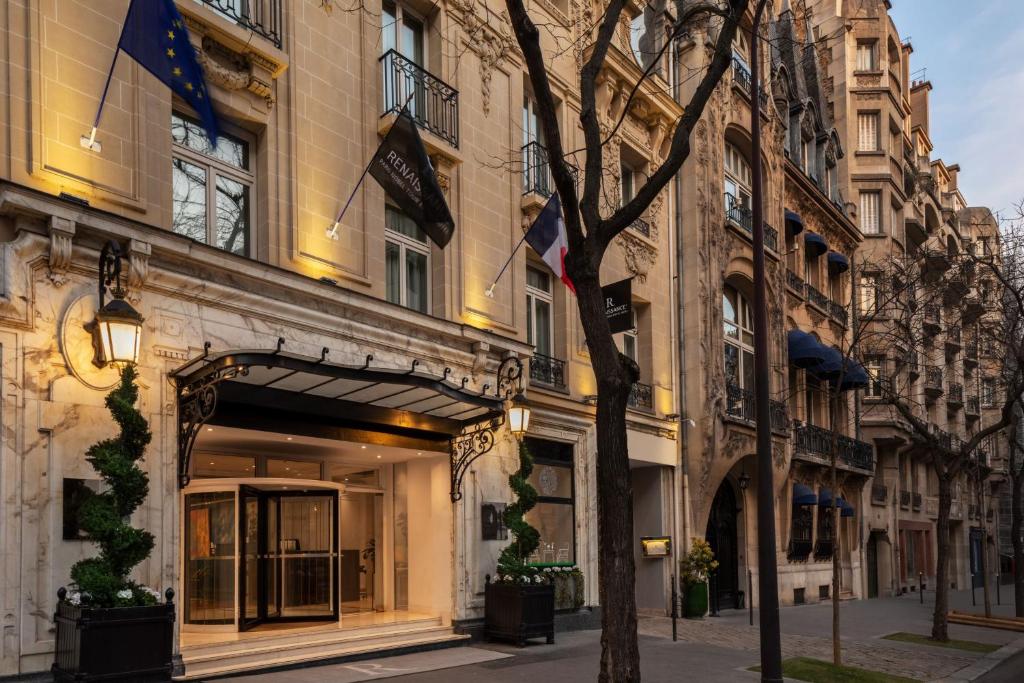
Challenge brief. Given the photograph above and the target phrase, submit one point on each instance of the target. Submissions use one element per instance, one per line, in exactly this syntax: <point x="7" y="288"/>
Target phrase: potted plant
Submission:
<point x="694" y="570"/>
<point x="568" y="582"/>
<point x="520" y="603"/>
<point x="108" y="626"/>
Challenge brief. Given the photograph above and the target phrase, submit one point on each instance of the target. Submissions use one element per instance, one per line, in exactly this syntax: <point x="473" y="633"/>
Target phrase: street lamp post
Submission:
<point x="117" y="329"/>
<point x="767" y="579"/>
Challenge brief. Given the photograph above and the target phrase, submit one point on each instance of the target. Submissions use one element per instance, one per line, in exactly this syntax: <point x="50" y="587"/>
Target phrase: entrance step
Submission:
<point x="846" y="595"/>
<point x="284" y="649"/>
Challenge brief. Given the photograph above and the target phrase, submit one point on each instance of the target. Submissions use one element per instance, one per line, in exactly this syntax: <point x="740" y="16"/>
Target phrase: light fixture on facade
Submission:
<point x="117" y="329"/>
<point x="519" y="415"/>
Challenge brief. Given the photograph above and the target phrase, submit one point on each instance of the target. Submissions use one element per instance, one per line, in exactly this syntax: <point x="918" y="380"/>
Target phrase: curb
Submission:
<point x="985" y="664"/>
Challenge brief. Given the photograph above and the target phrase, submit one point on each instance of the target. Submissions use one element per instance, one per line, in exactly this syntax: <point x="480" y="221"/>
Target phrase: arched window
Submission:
<point x="737" y="180"/>
<point x="738" y="334"/>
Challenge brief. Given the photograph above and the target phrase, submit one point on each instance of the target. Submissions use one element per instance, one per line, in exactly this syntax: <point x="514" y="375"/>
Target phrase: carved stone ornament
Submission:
<point x="640" y="255"/>
<point x="491" y="42"/>
<point x="232" y="70"/>
<point x="138" y="268"/>
<point x="61" y="232"/>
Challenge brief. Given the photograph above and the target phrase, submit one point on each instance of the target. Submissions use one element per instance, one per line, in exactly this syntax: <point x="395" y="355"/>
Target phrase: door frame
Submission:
<point x="263" y="497"/>
<point x="712" y="536"/>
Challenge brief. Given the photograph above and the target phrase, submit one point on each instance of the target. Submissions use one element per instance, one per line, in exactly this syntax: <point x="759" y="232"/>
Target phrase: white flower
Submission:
<point x="75" y="598"/>
<point x="526" y="579"/>
<point x="124" y="594"/>
<point x="538" y="579"/>
<point x="548" y="570"/>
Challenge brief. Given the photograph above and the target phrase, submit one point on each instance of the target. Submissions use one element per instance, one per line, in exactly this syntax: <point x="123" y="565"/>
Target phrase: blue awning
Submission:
<point x="804" y="350"/>
<point x="804" y="495"/>
<point x="794" y="224"/>
<point x="825" y="497"/>
<point x="831" y="363"/>
<point x="815" y="244"/>
<point x="837" y="263"/>
<point x="846" y="509"/>
<point x="856" y="377"/>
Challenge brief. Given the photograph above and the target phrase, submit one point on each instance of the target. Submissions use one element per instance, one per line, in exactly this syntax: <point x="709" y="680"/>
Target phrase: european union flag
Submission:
<point x="154" y="35"/>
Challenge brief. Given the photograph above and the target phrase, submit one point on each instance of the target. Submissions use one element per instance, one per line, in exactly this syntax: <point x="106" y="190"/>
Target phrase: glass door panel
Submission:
<point x="362" y="521"/>
<point x="249" y="550"/>
<point x="308" y="556"/>
<point x="210" y="558"/>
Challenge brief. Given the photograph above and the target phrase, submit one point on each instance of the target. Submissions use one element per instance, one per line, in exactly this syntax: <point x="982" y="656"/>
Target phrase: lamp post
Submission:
<point x="117" y="328"/>
<point x="519" y="415"/>
<point x="767" y="578"/>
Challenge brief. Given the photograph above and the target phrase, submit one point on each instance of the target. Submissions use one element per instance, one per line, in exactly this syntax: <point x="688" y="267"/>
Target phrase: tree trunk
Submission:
<point x="985" y="588"/>
<point x="1016" y="521"/>
<point x="620" y="656"/>
<point x="940" y="625"/>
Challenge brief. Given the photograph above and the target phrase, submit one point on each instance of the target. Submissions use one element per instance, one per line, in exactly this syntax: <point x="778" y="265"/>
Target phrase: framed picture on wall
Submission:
<point x="76" y="492"/>
<point x="492" y="523"/>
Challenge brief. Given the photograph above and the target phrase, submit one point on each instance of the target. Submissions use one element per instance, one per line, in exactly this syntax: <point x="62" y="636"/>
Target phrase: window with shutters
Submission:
<point x="869" y="207"/>
<point x="867" y="293"/>
<point x="867" y="132"/>
<point x="867" y="55"/>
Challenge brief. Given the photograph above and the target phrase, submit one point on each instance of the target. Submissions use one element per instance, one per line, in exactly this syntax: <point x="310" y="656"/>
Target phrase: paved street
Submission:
<point x="712" y="650"/>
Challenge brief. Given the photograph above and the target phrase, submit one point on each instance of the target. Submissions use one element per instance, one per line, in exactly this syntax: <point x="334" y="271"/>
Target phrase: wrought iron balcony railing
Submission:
<point x="641" y="396"/>
<point x="879" y="494"/>
<point x="433" y="104"/>
<point x="262" y="17"/>
<point x="955" y="395"/>
<point x="932" y="318"/>
<point x="795" y="282"/>
<point x="972" y="407"/>
<point x="536" y="173"/>
<point x="916" y="503"/>
<point x="741" y="77"/>
<point x="547" y="370"/>
<point x="742" y="217"/>
<point x="817" y="298"/>
<point x="740" y="405"/>
<point x="933" y="379"/>
<point x="851" y="452"/>
<point x="905" y="500"/>
<point x="838" y="312"/>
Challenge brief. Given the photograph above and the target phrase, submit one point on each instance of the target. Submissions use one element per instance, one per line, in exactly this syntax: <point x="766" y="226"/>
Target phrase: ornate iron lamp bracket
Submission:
<point x="466" y="448"/>
<point x="196" y="404"/>
<point x="510" y="378"/>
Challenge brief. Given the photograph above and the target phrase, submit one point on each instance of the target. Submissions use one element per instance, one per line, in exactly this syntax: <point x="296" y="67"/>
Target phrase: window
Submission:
<point x="812" y="268"/>
<point x="867" y="132"/>
<point x="640" y="40"/>
<point x="628" y="183"/>
<point x="988" y="392"/>
<point x="894" y="223"/>
<point x="210" y="187"/>
<point x="869" y="208"/>
<point x="737" y="180"/>
<point x="801" y="532"/>
<point x="554" y="516"/>
<point x="539" y="303"/>
<point x="402" y="31"/>
<point x="875" y="367"/>
<point x="739" y="339"/>
<point x="867" y="294"/>
<point x="536" y="174"/>
<point x="867" y="55"/>
<point x="407" y="261"/>
<point x="826" y="522"/>
<point x="630" y="342"/>
<point x="812" y="391"/>
<point x="806" y="156"/>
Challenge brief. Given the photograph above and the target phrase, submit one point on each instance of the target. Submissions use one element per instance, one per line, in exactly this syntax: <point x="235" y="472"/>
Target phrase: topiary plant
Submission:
<point x="103" y="581"/>
<point x="512" y="563"/>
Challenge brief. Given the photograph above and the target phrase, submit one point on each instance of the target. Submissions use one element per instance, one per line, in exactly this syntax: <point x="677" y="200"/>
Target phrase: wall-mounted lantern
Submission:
<point x="117" y="329"/>
<point x="519" y="415"/>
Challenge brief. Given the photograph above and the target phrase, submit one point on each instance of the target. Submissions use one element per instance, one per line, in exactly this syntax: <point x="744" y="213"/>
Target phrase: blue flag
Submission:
<point x="154" y="35"/>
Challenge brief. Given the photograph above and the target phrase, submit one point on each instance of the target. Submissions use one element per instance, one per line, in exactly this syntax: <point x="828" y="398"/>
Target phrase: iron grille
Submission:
<point x="432" y="103"/>
<point x="262" y="17"/>
<point x="851" y="452"/>
<point x="547" y="370"/>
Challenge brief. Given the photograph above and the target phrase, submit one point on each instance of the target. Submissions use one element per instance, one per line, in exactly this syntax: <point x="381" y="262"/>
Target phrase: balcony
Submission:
<point x="741" y="79"/>
<point x="936" y="263"/>
<point x="953" y="342"/>
<point x="742" y="217"/>
<point x="818" y="299"/>
<point x="262" y="17"/>
<point x="904" y="500"/>
<point x="955" y="396"/>
<point x="972" y="408"/>
<point x="932" y="320"/>
<point x="641" y="226"/>
<point x="933" y="382"/>
<point x="817" y="441"/>
<point x="971" y="352"/>
<point x="838" y="312"/>
<point x="956" y="289"/>
<point x="913" y="366"/>
<point x="916" y="502"/>
<point x="931" y="506"/>
<point x="972" y="309"/>
<point x="740" y="406"/>
<point x="795" y="282"/>
<point x="547" y="371"/>
<point x="536" y="173"/>
<point x="879" y="494"/>
<point x="641" y="397"/>
<point x="432" y="103"/>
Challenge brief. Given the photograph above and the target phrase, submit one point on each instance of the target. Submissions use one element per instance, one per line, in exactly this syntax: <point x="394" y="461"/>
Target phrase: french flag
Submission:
<point x="548" y="238"/>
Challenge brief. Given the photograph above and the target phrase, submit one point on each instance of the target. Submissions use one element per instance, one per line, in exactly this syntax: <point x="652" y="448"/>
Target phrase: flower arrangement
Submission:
<point x="698" y="564"/>
<point x="103" y="581"/>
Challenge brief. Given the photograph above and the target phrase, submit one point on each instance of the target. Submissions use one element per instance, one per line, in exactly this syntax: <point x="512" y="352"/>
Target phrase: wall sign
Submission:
<point x="656" y="546"/>
<point x="492" y="523"/>
<point x="618" y="305"/>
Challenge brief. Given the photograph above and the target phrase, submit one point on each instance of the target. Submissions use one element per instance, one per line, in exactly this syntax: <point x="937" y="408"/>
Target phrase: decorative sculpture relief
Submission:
<point x="138" y="268"/>
<point x="639" y="254"/>
<point x="490" y="43"/>
<point x="61" y="231"/>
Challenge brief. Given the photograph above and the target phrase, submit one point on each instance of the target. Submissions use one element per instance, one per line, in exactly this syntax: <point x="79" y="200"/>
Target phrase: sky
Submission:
<point x="973" y="54"/>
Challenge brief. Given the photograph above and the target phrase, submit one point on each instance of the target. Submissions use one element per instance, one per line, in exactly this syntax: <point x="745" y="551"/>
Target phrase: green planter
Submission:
<point x="695" y="600"/>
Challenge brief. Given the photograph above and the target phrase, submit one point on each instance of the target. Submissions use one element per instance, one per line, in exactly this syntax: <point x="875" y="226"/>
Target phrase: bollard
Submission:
<point x="675" y="607"/>
<point x="750" y="595"/>
<point x="920" y="586"/>
<point x="974" y="600"/>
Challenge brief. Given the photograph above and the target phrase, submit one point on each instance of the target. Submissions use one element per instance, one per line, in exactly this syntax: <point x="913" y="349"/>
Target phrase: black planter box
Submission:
<point x="114" y="644"/>
<point x="517" y="613"/>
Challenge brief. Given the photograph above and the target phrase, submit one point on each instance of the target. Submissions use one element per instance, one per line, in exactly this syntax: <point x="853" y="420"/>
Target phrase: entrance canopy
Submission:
<point x="273" y="386"/>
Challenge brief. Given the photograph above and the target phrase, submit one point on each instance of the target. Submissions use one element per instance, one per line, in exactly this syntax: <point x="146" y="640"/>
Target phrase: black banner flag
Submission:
<point x="618" y="305"/>
<point x="403" y="169"/>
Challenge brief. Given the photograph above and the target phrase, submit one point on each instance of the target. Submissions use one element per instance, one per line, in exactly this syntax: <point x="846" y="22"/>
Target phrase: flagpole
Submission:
<point x="332" y="232"/>
<point x="90" y="142"/>
<point x="490" y="290"/>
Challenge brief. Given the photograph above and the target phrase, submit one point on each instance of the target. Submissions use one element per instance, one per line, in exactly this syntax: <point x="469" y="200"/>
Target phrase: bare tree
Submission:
<point x="590" y="233"/>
